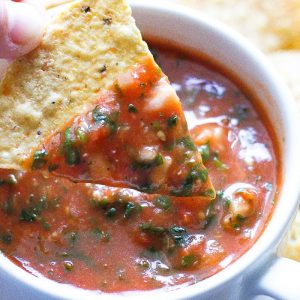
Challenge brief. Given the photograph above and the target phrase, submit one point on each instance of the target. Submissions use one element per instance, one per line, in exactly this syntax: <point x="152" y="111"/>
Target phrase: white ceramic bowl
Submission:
<point x="258" y="271"/>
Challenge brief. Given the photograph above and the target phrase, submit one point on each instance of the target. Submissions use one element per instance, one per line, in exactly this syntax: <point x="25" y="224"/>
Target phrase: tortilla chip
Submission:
<point x="89" y="49"/>
<point x="291" y="245"/>
<point x="288" y="65"/>
<point x="270" y="25"/>
<point x="43" y="89"/>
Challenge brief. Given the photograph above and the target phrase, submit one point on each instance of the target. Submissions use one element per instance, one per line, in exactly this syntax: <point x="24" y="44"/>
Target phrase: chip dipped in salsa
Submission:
<point x="113" y="239"/>
<point x="135" y="135"/>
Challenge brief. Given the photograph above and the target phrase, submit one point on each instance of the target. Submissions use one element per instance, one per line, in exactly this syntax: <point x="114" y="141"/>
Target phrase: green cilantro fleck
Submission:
<point x="53" y="167"/>
<point x="39" y="159"/>
<point x="102" y="117"/>
<point x="227" y="202"/>
<point x="208" y="193"/>
<point x="205" y="152"/>
<point x="210" y="215"/>
<point x="187" y="143"/>
<point x="111" y="212"/>
<point x="196" y="173"/>
<point x="71" y="152"/>
<point x="189" y="260"/>
<point x="82" y="135"/>
<point x="45" y="225"/>
<point x="240" y="218"/>
<point x="172" y="121"/>
<point x="129" y="208"/>
<point x="163" y="202"/>
<point x="7" y="238"/>
<point x="149" y="228"/>
<point x="219" y="164"/>
<point x="157" y="161"/>
<point x="101" y="235"/>
<point x="179" y="235"/>
<point x="132" y="108"/>
<point x="32" y="212"/>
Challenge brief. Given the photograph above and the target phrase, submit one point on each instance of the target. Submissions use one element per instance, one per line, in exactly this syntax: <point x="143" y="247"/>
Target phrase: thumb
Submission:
<point x="21" y="28"/>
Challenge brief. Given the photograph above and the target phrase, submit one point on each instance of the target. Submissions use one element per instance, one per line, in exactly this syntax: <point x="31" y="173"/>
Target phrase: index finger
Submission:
<point x="21" y="27"/>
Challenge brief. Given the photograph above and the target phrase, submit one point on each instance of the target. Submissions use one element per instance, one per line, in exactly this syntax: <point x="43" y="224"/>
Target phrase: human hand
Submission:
<point x="21" y="26"/>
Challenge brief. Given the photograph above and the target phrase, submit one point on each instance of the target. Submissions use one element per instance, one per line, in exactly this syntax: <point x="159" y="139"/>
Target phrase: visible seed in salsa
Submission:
<point x="68" y="265"/>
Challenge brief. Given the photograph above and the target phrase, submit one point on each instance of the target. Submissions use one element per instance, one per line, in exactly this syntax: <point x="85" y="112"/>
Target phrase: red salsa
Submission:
<point x="115" y="239"/>
<point x="135" y="136"/>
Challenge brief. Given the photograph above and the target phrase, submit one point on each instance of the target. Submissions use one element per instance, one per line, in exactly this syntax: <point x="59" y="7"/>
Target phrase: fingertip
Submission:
<point x="23" y="29"/>
<point x="27" y="26"/>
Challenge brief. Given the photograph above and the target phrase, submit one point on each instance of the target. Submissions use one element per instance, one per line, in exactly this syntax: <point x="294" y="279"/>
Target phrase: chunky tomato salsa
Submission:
<point x="134" y="136"/>
<point x="115" y="239"/>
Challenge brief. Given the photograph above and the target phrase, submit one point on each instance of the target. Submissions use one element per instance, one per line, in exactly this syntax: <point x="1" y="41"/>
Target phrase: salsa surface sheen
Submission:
<point x="115" y="239"/>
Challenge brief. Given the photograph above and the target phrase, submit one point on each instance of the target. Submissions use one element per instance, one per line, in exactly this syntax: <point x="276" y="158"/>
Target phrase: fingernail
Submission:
<point x="25" y="23"/>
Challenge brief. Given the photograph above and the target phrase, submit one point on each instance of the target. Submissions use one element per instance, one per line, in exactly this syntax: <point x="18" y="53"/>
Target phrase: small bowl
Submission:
<point x="251" y="274"/>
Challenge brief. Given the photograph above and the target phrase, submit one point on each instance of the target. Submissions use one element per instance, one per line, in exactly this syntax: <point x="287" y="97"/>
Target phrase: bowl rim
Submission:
<point x="266" y="243"/>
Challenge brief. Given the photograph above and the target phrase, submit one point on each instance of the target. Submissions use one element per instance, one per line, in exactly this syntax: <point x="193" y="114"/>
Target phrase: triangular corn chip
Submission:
<point x="91" y="104"/>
